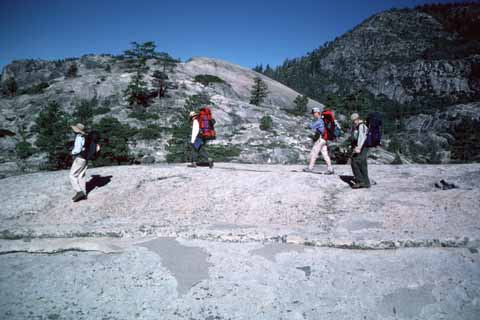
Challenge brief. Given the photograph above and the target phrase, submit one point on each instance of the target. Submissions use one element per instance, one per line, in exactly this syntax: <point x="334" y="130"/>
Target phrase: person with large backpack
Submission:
<point x="85" y="148"/>
<point x="362" y="139"/>
<point x="323" y="133"/>
<point x="202" y="131"/>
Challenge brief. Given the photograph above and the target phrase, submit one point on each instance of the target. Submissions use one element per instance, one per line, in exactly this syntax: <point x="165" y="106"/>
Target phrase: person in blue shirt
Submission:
<point x="320" y="145"/>
<point x="79" y="166"/>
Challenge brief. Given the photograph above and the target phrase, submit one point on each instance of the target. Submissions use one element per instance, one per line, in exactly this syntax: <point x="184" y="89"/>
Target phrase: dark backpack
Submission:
<point x="90" y="148"/>
<point x="374" y="135"/>
<point x="332" y="130"/>
<point x="207" y="124"/>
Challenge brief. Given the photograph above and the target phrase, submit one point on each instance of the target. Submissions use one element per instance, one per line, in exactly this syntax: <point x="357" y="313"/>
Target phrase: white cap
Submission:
<point x="354" y="117"/>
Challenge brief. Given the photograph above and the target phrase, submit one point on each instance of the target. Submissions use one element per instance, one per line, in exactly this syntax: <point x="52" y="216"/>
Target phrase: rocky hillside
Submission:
<point x="100" y="82"/>
<point x="400" y="62"/>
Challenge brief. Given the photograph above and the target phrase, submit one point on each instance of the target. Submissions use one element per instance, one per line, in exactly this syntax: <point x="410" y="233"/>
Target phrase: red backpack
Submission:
<point x="329" y="122"/>
<point x="207" y="124"/>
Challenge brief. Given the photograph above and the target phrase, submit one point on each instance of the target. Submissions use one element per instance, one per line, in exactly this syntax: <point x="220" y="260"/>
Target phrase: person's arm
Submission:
<point x="362" y="137"/>
<point x="195" y="130"/>
<point x="78" y="145"/>
<point x="318" y="126"/>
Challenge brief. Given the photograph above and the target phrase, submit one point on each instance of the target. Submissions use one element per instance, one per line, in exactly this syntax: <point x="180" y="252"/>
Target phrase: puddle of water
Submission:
<point x="189" y="265"/>
<point x="269" y="251"/>
<point x="407" y="302"/>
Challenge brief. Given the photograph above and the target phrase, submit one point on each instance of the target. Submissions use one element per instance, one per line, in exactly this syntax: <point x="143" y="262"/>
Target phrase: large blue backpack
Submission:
<point x="374" y="135"/>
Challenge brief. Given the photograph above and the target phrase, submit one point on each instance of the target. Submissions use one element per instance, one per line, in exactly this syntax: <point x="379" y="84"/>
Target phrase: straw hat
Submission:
<point x="78" y="128"/>
<point x="354" y="117"/>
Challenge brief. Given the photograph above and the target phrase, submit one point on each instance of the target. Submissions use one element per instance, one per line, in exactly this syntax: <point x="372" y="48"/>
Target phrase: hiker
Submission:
<point x="197" y="143"/>
<point x="79" y="166"/>
<point x="85" y="148"/>
<point x="320" y="144"/>
<point x="359" y="164"/>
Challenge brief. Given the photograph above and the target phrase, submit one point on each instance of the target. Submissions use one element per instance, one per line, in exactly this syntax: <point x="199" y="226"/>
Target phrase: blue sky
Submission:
<point x="244" y="32"/>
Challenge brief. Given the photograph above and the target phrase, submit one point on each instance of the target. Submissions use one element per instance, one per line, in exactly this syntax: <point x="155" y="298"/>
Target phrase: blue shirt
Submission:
<point x="318" y="126"/>
<point x="78" y="145"/>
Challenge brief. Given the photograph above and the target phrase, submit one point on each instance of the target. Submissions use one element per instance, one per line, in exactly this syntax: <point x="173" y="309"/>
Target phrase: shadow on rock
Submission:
<point x="350" y="180"/>
<point x="97" y="181"/>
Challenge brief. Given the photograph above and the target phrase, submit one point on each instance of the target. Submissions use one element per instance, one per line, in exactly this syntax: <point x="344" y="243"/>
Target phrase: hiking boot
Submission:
<point x="79" y="196"/>
<point x="210" y="163"/>
<point x="307" y="170"/>
<point x="76" y="196"/>
<point x="330" y="172"/>
<point x="192" y="165"/>
<point x="360" y="186"/>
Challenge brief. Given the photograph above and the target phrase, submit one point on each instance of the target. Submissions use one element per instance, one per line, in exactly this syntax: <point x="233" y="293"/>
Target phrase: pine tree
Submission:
<point x="258" y="92"/>
<point x="136" y="92"/>
<point x="72" y="71"/>
<point x="10" y="87"/>
<point x="258" y="68"/>
<point x="52" y="127"/>
<point x="159" y="82"/>
<point x="301" y="103"/>
<point x="138" y="55"/>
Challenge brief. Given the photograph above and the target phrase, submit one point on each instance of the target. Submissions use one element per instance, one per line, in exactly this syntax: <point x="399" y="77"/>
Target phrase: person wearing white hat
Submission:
<point x="79" y="166"/>
<point x="197" y="144"/>
<point x="320" y="145"/>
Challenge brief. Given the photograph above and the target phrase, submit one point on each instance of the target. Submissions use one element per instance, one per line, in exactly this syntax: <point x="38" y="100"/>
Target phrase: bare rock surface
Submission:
<point x="241" y="242"/>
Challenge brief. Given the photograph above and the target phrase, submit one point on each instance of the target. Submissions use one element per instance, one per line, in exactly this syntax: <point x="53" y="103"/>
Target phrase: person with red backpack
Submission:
<point x="202" y="131"/>
<point x="322" y="135"/>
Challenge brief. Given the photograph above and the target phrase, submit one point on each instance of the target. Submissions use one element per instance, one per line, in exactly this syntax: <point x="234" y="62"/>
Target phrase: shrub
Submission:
<point x="301" y="103"/>
<point x="266" y="123"/>
<point x="52" y="127"/>
<point x="142" y="115"/>
<point x="150" y="132"/>
<point x="10" y="87"/>
<point x="72" y="71"/>
<point x="114" y="137"/>
<point x="24" y="150"/>
<point x="207" y="79"/>
<point x="36" y="89"/>
<point x="223" y="153"/>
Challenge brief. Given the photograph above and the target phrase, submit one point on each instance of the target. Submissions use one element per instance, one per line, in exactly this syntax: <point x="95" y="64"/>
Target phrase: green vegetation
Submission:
<point x="159" y="82"/>
<point x="72" y="71"/>
<point x="179" y="145"/>
<point x="150" y="132"/>
<point x="258" y="92"/>
<point x="266" y="123"/>
<point x="466" y="146"/>
<point x="24" y="150"/>
<point x="207" y="79"/>
<point x="35" y="89"/>
<point x="223" y="153"/>
<point x="52" y="127"/>
<point x="138" y="55"/>
<point x="114" y="137"/>
<point x="87" y="109"/>
<point x="142" y="115"/>
<point x="136" y="92"/>
<point x="10" y="87"/>
<point x="301" y="103"/>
